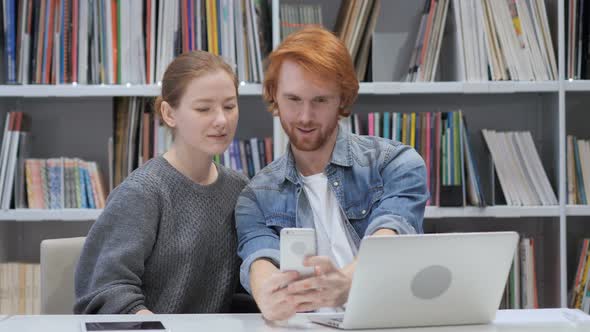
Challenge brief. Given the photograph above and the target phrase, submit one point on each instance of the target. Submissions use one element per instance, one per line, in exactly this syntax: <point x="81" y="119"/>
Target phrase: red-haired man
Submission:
<point x="345" y="186"/>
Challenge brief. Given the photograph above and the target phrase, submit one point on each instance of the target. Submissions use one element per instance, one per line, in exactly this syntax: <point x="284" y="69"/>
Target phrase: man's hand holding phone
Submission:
<point x="328" y="287"/>
<point x="273" y="298"/>
<point x="320" y="283"/>
<point x="305" y="282"/>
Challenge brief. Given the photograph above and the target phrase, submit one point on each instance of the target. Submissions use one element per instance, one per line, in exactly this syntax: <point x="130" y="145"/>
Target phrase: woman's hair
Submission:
<point x="320" y="53"/>
<point x="183" y="69"/>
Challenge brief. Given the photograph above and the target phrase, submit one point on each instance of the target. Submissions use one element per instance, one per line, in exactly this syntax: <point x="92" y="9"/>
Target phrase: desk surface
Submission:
<point x="554" y="320"/>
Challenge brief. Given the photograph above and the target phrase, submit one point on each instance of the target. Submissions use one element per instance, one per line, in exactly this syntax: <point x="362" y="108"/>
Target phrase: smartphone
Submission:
<point x="144" y="326"/>
<point x="296" y="244"/>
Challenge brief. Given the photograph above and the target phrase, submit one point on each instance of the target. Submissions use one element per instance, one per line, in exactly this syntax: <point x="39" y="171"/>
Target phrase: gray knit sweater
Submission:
<point x="162" y="243"/>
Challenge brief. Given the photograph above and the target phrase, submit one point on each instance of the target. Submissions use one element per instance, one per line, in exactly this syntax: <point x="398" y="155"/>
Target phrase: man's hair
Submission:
<point x="320" y="53"/>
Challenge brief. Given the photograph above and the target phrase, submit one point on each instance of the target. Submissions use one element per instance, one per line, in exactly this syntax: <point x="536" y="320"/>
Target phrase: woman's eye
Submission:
<point x="201" y="109"/>
<point x="230" y="107"/>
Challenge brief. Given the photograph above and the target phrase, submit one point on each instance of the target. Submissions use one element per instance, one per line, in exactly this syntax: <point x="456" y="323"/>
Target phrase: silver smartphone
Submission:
<point x="296" y="244"/>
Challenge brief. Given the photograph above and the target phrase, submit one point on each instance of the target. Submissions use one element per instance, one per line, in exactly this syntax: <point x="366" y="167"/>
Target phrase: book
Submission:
<point x="522" y="177"/>
<point x="578" y="169"/>
<point x="20" y="285"/>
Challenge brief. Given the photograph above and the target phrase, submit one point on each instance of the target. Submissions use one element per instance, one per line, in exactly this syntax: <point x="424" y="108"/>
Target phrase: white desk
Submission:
<point x="554" y="320"/>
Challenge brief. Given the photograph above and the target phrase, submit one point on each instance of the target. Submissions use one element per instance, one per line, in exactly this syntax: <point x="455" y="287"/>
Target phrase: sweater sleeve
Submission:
<point x="109" y="274"/>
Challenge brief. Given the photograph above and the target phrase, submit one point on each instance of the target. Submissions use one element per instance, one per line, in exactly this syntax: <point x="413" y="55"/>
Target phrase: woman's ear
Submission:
<point x="168" y="114"/>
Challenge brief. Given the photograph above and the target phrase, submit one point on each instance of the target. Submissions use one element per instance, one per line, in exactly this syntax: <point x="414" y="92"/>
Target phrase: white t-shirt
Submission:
<point x="332" y="239"/>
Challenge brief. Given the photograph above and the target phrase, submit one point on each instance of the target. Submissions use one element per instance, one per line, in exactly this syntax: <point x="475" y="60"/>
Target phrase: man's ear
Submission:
<point x="168" y="114"/>
<point x="275" y="108"/>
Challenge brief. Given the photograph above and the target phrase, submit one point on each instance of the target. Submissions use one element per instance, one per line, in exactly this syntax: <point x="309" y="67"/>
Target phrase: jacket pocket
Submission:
<point x="361" y="205"/>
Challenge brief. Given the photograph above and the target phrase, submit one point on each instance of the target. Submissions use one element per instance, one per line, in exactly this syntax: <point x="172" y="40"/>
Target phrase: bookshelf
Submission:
<point x="548" y="109"/>
<point x="535" y="106"/>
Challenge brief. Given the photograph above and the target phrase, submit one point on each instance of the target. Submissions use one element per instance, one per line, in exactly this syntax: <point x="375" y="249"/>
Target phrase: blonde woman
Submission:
<point x="166" y="240"/>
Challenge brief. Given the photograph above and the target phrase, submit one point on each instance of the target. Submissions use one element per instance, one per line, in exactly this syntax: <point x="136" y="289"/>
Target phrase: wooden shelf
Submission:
<point x="245" y="89"/>
<point x="433" y="212"/>
<point x="577" y="210"/>
<point x="393" y="88"/>
<point x="252" y="89"/>
<point x="577" y="86"/>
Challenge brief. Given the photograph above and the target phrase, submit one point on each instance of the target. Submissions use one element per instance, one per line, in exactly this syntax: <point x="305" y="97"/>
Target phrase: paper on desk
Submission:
<point x="541" y="317"/>
<point x="578" y="316"/>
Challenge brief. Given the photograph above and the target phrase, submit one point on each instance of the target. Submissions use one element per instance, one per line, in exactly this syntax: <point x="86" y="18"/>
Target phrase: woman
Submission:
<point x="166" y="241"/>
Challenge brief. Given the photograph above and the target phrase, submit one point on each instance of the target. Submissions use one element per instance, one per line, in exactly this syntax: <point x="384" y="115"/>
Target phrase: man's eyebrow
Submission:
<point x="289" y="94"/>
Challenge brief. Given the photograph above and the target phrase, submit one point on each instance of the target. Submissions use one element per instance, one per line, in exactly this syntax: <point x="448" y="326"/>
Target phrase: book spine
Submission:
<point x="580" y="178"/>
<point x="428" y="156"/>
<point x="54" y="178"/>
<point x="90" y="191"/>
<point x="268" y="146"/>
<point x="29" y="180"/>
<point x="386" y="125"/>
<point x="10" y="40"/>
<point x="413" y="130"/>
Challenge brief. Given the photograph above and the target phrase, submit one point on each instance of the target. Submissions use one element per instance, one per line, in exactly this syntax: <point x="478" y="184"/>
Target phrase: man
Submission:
<point x="343" y="185"/>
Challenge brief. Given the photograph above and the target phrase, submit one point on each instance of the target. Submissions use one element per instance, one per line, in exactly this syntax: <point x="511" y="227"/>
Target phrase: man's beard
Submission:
<point x="317" y="140"/>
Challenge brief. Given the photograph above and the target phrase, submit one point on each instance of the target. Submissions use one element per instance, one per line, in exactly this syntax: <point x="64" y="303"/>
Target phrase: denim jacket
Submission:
<point x="378" y="184"/>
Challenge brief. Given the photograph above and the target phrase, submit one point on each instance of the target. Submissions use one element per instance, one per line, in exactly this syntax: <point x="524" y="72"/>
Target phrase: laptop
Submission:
<point x="426" y="280"/>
